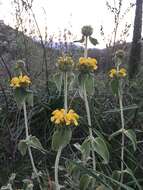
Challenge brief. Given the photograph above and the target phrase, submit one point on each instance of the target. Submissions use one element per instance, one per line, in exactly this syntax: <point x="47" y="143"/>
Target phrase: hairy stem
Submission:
<point x="29" y="148"/>
<point x="60" y="148"/>
<point x="123" y="135"/>
<point x="65" y="92"/>
<point x="85" y="48"/>
<point x="88" y="110"/>
<point x="56" y="167"/>
<point x="89" y="123"/>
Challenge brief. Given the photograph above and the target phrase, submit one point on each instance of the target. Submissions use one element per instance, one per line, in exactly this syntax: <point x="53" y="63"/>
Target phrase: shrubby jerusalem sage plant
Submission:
<point x="117" y="74"/>
<point x="63" y="118"/>
<point x="86" y="68"/>
<point x="22" y="94"/>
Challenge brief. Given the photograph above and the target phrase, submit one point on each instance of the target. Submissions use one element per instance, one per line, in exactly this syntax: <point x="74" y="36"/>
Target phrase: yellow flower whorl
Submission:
<point x="88" y="63"/>
<point x="60" y="117"/>
<point x="114" y="73"/>
<point x="21" y="81"/>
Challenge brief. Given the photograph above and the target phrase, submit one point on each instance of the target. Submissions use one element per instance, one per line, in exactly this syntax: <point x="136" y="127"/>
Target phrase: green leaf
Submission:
<point x="81" y="40"/>
<point x="115" y="134"/>
<point x="89" y="84"/>
<point x="71" y="79"/>
<point x="100" y="147"/>
<point x="129" y="171"/>
<point x="84" y="182"/>
<point x="29" y="97"/>
<point x="22" y="147"/>
<point x="116" y="175"/>
<point x="88" y="81"/>
<point x="101" y="177"/>
<point x="115" y="86"/>
<point x="93" y="41"/>
<point x="61" y="137"/>
<point x="35" y="143"/>
<point x="86" y="148"/>
<point x="132" y="136"/>
<point x="58" y="78"/>
<point x="101" y="187"/>
<point x="20" y="95"/>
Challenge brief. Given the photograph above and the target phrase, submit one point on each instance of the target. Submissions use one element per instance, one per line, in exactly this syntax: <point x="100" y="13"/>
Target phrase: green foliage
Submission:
<point x="132" y="136"/>
<point x="115" y="86"/>
<point x="61" y="137"/>
<point x="84" y="182"/>
<point x="33" y="142"/>
<point x="23" y="95"/>
<point x="100" y="147"/>
<point x="86" y="81"/>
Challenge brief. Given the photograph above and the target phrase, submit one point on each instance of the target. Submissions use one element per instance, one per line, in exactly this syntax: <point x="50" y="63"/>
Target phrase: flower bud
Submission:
<point x="87" y="30"/>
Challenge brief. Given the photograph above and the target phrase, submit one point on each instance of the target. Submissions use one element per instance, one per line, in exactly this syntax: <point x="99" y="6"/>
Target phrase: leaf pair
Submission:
<point x="130" y="134"/>
<point x="86" y="81"/>
<point x="31" y="142"/>
<point x="93" y="41"/>
<point x="23" y="95"/>
<point x="58" y="79"/>
<point x="61" y="137"/>
<point x="98" y="145"/>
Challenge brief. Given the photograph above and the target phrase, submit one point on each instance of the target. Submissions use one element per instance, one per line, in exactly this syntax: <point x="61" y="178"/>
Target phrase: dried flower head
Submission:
<point x="65" y="63"/>
<point x="120" y="54"/>
<point x="87" y="30"/>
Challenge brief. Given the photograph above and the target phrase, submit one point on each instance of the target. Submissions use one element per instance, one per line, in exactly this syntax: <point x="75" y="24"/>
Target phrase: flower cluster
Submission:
<point x="87" y="30"/>
<point x="21" y="81"/>
<point x="87" y="63"/>
<point x="65" y="63"/>
<point x="114" y="73"/>
<point x="59" y="116"/>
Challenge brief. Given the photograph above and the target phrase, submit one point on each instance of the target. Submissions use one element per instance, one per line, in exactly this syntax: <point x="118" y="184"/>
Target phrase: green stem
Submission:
<point x="65" y="92"/>
<point x="85" y="48"/>
<point x="123" y="135"/>
<point x="60" y="148"/>
<point x="90" y="129"/>
<point x="29" y="148"/>
<point x="56" y="167"/>
<point x="88" y="110"/>
<point x="10" y="187"/>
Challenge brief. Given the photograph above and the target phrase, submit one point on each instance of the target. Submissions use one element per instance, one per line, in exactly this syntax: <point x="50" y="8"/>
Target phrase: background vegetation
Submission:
<point x="40" y="57"/>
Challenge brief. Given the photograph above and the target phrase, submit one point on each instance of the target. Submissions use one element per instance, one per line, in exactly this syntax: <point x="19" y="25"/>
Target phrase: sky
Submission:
<point x="71" y="14"/>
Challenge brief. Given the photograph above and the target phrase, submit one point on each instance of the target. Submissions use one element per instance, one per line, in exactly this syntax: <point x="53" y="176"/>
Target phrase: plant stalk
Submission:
<point x="88" y="110"/>
<point x="60" y="148"/>
<point x="29" y="148"/>
<point x="123" y="135"/>
<point x="85" y="48"/>
<point x="90" y="129"/>
<point x="56" y="168"/>
<point x="65" y="92"/>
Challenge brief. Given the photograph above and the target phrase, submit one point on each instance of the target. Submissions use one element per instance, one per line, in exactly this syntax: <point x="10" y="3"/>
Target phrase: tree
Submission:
<point x="135" y="53"/>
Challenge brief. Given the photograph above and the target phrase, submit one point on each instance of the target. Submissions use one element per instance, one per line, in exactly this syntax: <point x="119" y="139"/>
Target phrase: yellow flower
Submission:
<point x="65" y="63"/>
<point x="67" y="60"/>
<point x="121" y="73"/>
<point x="113" y="73"/>
<point x="71" y="118"/>
<point x="88" y="63"/>
<point x="63" y="118"/>
<point x="21" y="81"/>
<point x="58" y="116"/>
<point x="14" y="82"/>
